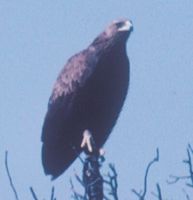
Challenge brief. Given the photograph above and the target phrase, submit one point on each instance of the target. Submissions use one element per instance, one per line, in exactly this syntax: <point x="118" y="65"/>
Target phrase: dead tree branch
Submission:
<point x="112" y="182"/>
<point x="142" y="194"/>
<point x="186" y="194"/>
<point x="76" y="195"/>
<point x="159" y="194"/>
<point x="188" y="162"/>
<point x="52" y="197"/>
<point x="52" y="194"/>
<point x="92" y="179"/>
<point x="175" y="179"/>
<point x="159" y="191"/>
<point x="33" y="193"/>
<point x="9" y="176"/>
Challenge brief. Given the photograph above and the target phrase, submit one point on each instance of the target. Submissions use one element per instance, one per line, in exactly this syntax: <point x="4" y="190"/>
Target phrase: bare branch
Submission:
<point x="52" y="193"/>
<point x="9" y="176"/>
<point x="159" y="191"/>
<point x="175" y="179"/>
<point x="188" y="162"/>
<point x="112" y="182"/>
<point x="141" y="195"/>
<point x="92" y="179"/>
<point x="190" y="148"/>
<point x="189" y="185"/>
<point x="76" y="195"/>
<point x="79" y="179"/>
<point x="137" y="193"/>
<point x="33" y="193"/>
<point x="186" y="194"/>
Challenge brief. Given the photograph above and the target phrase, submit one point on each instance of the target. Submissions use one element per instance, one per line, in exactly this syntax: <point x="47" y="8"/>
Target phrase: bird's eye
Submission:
<point x="120" y="24"/>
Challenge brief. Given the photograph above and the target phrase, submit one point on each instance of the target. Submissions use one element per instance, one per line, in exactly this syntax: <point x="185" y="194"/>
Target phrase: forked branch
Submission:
<point x="142" y="194"/>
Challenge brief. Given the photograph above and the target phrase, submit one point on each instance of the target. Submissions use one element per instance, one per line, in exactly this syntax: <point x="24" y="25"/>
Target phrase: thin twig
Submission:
<point x="76" y="195"/>
<point x="52" y="194"/>
<point x="78" y="179"/>
<point x="175" y="179"/>
<point x="33" y="193"/>
<point x="190" y="148"/>
<point x="159" y="191"/>
<point x="188" y="161"/>
<point x="9" y="176"/>
<point x="186" y="194"/>
<point x="142" y="194"/>
<point x="112" y="182"/>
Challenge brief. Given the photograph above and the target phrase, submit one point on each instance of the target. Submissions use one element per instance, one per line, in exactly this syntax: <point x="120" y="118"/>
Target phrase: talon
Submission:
<point x="87" y="140"/>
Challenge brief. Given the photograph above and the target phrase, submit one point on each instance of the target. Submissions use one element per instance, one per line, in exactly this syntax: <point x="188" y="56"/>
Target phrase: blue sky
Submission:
<point x="37" y="37"/>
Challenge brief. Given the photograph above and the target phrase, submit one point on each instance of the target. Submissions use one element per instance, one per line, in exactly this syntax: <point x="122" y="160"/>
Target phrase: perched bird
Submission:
<point x="88" y="96"/>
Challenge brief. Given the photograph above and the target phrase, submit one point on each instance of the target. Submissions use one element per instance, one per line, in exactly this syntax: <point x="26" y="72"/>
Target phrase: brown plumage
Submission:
<point x="88" y="94"/>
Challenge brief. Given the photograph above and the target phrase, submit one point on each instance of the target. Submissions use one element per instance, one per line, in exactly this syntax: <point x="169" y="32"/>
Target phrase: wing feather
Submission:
<point x="73" y="76"/>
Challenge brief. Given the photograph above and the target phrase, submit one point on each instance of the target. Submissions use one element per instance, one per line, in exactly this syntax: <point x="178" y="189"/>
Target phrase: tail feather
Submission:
<point x="57" y="158"/>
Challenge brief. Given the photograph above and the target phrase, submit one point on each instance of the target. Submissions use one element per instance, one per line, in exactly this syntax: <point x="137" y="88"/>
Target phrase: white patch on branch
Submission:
<point x="101" y="152"/>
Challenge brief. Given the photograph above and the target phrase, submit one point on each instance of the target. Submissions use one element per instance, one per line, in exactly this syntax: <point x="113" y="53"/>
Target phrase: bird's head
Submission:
<point x="119" y="28"/>
<point x="117" y="31"/>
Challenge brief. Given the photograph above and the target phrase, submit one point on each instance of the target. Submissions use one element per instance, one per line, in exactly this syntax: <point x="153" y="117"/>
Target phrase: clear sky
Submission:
<point x="36" y="39"/>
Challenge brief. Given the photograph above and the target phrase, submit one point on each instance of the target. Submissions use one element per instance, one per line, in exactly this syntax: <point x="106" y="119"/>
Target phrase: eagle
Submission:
<point x="88" y="95"/>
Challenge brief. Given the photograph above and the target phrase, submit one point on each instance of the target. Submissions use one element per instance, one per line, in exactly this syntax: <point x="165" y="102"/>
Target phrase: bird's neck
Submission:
<point x="101" y="49"/>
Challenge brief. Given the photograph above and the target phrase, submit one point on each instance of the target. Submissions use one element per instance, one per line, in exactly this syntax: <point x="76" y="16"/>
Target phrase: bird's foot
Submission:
<point x="87" y="140"/>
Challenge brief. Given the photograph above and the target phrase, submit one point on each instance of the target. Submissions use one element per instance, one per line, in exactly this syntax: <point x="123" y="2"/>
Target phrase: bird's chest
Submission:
<point x="105" y="89"/>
